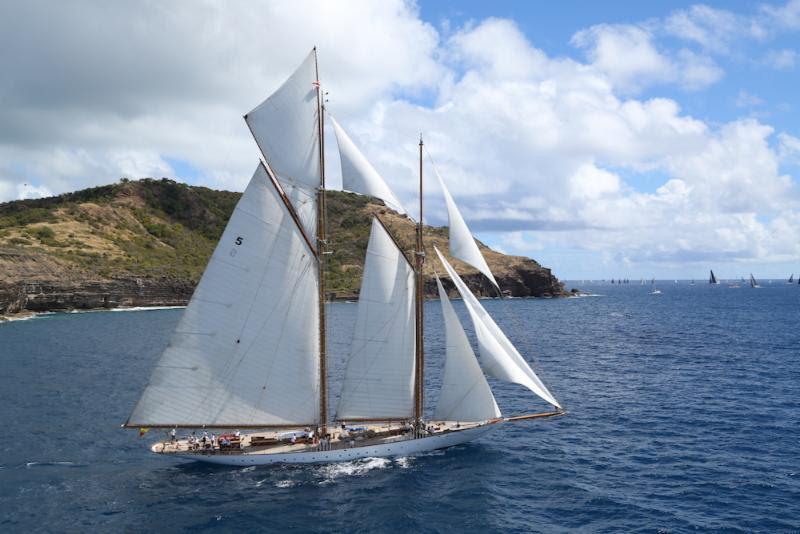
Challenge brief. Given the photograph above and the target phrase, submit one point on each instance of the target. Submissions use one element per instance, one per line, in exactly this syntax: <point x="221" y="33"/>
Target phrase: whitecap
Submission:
<point x="355" y="468"/>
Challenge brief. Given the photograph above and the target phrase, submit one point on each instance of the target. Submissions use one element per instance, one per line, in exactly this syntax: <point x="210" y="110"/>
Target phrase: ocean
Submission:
<point x="683" y="415"/>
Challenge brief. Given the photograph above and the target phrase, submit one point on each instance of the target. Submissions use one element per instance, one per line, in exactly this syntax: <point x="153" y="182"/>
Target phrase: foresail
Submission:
<point x="358" y="174"/>
<point x="499" y="358"/>
<point x="462" y="244"/>
<point x="286" y="128"/>
<point x="246" y="351"/>
<point x="379" y="380"/>
<point x="465" y="394"/>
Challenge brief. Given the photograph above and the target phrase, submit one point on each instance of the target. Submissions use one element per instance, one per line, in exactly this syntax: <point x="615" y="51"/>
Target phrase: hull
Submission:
<point x="390" y="449"/>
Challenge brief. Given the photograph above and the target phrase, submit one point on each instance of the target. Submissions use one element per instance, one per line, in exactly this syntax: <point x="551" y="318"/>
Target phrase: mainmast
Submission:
<point x="419" y="256"/>
<point x="321" y="253"/>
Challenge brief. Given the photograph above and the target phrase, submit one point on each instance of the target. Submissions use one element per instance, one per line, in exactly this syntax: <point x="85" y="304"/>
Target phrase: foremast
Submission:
<point x="419" y="262"/>
<point x="322" y="243"/>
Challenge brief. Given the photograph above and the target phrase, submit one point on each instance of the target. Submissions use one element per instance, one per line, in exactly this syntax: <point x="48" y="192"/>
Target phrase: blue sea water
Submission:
<point x="683" y="415"/>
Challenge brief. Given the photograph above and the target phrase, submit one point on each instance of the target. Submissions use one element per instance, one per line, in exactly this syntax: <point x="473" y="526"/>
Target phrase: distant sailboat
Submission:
<point x="713" y="279"/>
<point x="655" y="290"/>
<point x="250" y="350"/>
<point x="791" y="279"/>
<point x="753" y="282"/>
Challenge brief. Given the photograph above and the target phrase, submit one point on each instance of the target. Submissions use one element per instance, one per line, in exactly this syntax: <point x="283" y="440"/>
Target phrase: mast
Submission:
<point x="419" y="257"/>
<point x="321" y="252"/>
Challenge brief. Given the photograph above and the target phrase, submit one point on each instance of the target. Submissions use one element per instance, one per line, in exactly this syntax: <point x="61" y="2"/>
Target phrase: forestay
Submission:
<point x="286" y="128"/>
<point x="499" y="358"/>
<point x="462" y="244"/>
<point x="465" y="394"/>
<point x="358" y="174"/>
<point x="246" y="351"/>
<point x="379" y="380"/>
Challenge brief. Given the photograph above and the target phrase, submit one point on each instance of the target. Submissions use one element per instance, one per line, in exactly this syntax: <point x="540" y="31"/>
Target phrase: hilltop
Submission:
<point x="146" y="243"/>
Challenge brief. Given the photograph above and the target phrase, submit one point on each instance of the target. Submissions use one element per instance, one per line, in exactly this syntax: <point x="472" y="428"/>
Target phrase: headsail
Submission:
<point x="499" y="358"/>
<point x="358" y="174"/>
<point x="465" y="394"/>
<point x="286" y="128"/>
<point x="379" y="381"/>
<point x="246" y="350"/>
<point x="462" y="244"/>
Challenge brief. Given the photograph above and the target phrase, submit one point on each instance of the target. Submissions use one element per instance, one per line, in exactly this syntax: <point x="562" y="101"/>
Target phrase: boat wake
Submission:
<point x="331" y="472"/>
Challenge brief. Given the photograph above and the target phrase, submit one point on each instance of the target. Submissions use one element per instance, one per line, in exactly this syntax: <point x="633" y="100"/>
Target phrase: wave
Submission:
<point x="145" y="308"/>
<point x="26" y="317"/>
<point x="52" y="464"/>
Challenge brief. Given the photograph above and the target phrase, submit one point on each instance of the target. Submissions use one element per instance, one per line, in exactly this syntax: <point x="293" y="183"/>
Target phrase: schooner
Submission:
<point x="250" y="349"/>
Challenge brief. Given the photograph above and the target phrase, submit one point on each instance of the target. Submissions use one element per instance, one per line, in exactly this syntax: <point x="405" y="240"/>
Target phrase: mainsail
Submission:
<point x="713" y="279"/>
<point x="379" y="380"/>
<point x="462" y="244"/>
<point x="499" y="358"/>
<point x="358" y="174"/>
<point x="246" y="351"/>
<point x="465" y="394"/>
<point x="286" y="128"/>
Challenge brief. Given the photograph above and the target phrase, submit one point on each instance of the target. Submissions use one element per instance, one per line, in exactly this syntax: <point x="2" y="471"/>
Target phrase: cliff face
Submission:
<point x="146" y="243"/>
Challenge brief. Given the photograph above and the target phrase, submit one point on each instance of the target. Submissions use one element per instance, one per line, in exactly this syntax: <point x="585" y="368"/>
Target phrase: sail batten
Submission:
<point x="358" y="174"/>
<point x="499" y="357"/>
<point x="462" y="243"/>
<point x="252" y="360"/>
<point x="465" y="395"/>
<point x="379" y="378"/>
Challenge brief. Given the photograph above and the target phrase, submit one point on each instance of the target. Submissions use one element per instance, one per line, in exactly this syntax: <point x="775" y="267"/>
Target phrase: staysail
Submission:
<point x="286" y="129"/>
<point x="499" y="358"/>
<point x="246" y="351"/>
<point x="465" y="394"/>
<point x="462" y="244"/>
<point x="358" y="174"/>
<point x="379" y="380"/>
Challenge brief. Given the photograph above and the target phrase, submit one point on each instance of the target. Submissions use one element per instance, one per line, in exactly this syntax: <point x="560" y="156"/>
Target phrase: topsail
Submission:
<point x="358" y="174"/>
<point x="462" y="244"/>
<point x="286" y="129"/>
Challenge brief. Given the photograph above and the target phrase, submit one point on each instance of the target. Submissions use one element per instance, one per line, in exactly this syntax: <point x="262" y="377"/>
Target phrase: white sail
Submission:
<point x="358" y="174"/>
<point x="465" y="394"/>
<point x="499" y="358"/>
<point x="379" y="380"/>
<point x="462" y="244"/>
<point x="286" y="129"/>
<point x="246" y="351"/>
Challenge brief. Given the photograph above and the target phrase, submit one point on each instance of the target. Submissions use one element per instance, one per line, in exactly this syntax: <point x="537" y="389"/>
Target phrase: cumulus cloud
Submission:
<point x="546" y="148"/>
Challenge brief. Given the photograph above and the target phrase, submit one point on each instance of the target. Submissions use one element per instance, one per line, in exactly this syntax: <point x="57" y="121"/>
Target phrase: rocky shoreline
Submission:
<point x="18" y="300"/>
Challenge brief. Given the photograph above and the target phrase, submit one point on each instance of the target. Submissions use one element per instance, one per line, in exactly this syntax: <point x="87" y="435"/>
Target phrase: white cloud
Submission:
<point x="628" y="55"/>
<point x="713" y="29"/>
<point x="526" y="142"/>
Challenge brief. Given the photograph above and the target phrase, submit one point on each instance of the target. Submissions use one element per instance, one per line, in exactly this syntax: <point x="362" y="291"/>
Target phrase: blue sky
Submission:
<point x="601" y="138"/>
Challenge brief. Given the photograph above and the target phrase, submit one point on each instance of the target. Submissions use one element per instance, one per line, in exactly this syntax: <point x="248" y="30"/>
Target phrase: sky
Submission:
<point x="605" y="139"/>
